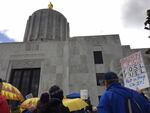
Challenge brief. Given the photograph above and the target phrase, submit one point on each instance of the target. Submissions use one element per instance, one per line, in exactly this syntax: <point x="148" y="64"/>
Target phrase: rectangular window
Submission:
<point x="98" y="58"/>
<point x="99" y="97"/>
<point x="26" y="80"/>
<point x="100" y="79"/>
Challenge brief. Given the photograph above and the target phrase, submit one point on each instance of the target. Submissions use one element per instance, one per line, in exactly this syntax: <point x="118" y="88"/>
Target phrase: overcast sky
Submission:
<point x="86" y="17"/>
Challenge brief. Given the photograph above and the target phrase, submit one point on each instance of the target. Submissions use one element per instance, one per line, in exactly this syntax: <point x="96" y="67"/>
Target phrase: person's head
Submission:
<point x="44" y="98"/>
<point x="1" y="84"/>
<point x="56" y="92"/>
<point x="109" y="78"/>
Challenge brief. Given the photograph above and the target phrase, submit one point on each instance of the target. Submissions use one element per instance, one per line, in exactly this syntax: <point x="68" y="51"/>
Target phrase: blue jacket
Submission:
<point x="112" y="102"/>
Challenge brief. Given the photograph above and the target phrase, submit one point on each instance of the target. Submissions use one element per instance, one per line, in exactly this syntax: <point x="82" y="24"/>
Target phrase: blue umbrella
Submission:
<point x="73" y="95"/>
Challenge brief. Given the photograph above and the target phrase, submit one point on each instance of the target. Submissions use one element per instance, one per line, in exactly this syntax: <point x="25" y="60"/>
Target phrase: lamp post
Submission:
<point x="147" y="22"/>
<point x="147" y="27"/>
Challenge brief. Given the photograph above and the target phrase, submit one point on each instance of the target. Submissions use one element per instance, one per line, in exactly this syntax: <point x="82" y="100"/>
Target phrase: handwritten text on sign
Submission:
<point x="134" y="72"/>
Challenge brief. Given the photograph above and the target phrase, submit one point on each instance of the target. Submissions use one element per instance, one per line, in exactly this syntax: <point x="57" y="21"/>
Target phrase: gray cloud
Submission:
<point x="5" y="38"/>
<point x="134" y="12"/>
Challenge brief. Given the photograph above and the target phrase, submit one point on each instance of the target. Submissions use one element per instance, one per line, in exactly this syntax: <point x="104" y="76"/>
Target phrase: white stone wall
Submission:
<point x="82" y="72"/>
<point x="49" y="56"/>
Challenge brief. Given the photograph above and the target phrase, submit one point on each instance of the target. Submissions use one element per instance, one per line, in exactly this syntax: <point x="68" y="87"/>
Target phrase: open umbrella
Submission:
<point x="73" y="95"/>
<point x="10" y="92"/>
<point x="75" y="104"/>
<point x="72" y="104"/>
<point x="28" y="103"/>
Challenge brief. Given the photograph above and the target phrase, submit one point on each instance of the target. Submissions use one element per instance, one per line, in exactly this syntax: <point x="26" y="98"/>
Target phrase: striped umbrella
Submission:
<point x="28" y="103"/>
<point x="10" y="92"/>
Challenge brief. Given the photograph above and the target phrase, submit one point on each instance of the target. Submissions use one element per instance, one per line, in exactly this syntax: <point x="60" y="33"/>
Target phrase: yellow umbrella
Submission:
<point x="11" y="92"/>
<point x="72" y="104"/>
<point x="28" y="103"/>
<point x="75" y="104"/>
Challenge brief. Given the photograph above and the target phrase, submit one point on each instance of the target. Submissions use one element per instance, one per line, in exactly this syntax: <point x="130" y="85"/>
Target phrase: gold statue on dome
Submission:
<point x="50" y="5"/>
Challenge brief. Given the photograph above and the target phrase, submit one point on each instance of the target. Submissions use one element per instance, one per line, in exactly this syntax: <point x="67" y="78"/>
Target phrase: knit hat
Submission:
<point x="110" y="76"/>
<point x="44" y="97"/>
<point x="56" y="92"/>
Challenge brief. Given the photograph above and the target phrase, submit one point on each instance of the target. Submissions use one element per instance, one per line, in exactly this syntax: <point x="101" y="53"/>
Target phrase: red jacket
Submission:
<point x="4" y="107"/>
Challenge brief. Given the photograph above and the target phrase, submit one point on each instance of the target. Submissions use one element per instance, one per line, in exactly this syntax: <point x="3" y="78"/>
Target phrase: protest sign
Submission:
<point x="134" y="72"/>
<point x="84" y="94"/>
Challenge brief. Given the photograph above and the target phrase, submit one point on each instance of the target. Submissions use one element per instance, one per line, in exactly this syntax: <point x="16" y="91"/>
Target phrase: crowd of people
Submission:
<point x="52" y="102"/>
<point x="115" y="99"/>
<point x="49" y="102"/>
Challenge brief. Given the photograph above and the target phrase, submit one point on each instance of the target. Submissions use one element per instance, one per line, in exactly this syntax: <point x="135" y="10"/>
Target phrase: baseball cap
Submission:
<point x="110" y="76"/>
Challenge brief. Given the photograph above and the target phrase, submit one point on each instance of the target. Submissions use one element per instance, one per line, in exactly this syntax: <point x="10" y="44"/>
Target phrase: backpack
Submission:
<point x="132" y="105"/>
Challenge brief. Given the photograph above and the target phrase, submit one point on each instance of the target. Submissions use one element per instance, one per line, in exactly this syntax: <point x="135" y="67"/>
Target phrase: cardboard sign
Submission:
<point x="134" y="72"/>
<point x="84" y="94"/>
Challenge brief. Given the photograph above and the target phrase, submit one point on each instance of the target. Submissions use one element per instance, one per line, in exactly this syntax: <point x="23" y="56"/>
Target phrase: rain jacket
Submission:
<point x="4" y="107"/>
<point x="112" y="102"/>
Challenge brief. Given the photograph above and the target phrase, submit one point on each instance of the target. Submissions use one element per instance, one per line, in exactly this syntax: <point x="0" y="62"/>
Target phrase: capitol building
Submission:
<point x="48" y="56"/>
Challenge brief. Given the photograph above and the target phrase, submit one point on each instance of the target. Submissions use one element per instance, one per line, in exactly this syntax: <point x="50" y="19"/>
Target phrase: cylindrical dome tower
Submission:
<point x="46" y="24"/>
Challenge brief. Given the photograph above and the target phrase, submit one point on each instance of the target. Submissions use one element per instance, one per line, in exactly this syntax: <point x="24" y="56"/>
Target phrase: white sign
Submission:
<point x="29" y="96"/>
<point x="84" y="94"/>
<point x="134" y="72"/>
